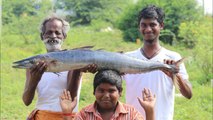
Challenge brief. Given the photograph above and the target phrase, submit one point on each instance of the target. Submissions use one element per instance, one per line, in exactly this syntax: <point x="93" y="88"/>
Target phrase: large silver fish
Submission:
<point x="79" y="58"/>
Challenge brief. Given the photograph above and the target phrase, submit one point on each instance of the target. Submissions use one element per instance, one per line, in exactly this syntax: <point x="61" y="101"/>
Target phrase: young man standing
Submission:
<point x="49" y="85"/>
<point x="150" y="23"/>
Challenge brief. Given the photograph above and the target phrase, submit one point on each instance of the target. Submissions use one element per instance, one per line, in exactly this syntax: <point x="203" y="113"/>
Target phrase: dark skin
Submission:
<point x="150" y="30"/>
<point x="184" y="86"/>
<point x="53" y="30"/>
<point x="33" y="77"/>
<point x="37" y="71"/>
<point x="74" y="78"/>
<point x="107" y="97"/>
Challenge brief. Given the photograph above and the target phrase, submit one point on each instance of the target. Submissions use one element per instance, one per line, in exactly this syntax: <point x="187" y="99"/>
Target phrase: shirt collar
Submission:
<point x="119" y="109"/>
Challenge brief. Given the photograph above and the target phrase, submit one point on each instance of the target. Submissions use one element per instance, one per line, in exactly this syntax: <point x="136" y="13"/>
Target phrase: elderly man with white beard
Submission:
<point x="49" y="85"/>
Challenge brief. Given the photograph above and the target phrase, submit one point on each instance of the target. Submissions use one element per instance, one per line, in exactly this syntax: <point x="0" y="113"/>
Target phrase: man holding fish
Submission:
<point x="50" y="85"/>
<point x="160" y="82"/>
<point x="151" y="57"/>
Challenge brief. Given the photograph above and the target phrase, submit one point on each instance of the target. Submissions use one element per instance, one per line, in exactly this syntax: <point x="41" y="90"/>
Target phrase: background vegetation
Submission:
<point x="105" y="24"/>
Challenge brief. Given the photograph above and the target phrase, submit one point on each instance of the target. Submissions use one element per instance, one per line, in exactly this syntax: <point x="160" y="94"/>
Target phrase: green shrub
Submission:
<point x="201" y="39"/>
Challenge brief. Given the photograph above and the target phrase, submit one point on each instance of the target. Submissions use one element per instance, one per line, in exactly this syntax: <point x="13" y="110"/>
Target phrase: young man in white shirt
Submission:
<point x="159" y="82"/>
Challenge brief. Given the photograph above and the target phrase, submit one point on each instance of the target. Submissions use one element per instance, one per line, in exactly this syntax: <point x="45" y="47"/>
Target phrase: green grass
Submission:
<point x="13" y="80"/>
<point x="198" y="108"/>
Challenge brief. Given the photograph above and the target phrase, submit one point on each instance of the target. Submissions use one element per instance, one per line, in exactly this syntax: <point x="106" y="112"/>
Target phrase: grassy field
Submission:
<point x="13" y="48"/>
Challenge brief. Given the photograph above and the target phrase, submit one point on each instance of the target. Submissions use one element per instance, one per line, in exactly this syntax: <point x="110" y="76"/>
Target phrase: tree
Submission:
<point x="200" y="39"/>
<point x="23" y="17"/>
<point x="84" y="11"/>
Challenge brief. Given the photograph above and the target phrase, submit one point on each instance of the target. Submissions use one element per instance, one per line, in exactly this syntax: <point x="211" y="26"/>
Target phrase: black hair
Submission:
<point x="108" y="76"/>
<point x="151" y="12"/>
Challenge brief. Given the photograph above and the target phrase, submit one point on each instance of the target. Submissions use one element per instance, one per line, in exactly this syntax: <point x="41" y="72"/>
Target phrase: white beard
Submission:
<point x="53" y="44"/>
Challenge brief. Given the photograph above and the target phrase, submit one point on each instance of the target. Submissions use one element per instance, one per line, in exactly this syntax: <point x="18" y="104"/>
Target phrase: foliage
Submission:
<point x="22" y="8"/>
<point x="199" y="107"/>
<point x="84" y="11"/>
<point x="24" y="17"/>
<point x="167" y="36"/>
<point x="176" y="12"/>
<point x="128" y="23"/>
<point x="200" y="38"/>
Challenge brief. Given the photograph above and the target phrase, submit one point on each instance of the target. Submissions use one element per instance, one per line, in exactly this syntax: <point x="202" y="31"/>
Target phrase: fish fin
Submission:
<point x="84" y="47"/>
<point x="177" y="63"/>
<point x="64" y="50"/>
<point x="100" y="49"/>
<point x="174" y="77"/>
<point x="120" y="52"/>
<point x="57" y="73"/>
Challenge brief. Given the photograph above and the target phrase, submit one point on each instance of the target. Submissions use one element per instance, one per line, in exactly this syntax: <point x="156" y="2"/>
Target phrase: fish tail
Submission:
<point x="175" y="82"/>
<point x="177" y="63"/>
<point x="174" y="77"/>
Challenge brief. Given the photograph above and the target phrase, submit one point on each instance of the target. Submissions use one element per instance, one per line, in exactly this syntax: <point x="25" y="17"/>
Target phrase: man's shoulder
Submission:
<point x="171" y="54"/>
<point x="133" y="53"/>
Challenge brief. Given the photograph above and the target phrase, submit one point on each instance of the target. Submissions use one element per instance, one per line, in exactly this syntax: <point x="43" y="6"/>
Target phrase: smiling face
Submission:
<point x="53" y="35"/>
<point x="150" y="29"/>
<point x="107" y="96"/>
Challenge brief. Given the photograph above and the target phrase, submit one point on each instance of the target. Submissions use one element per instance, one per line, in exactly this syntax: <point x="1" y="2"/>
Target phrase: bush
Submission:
<point x="201" y="39"/>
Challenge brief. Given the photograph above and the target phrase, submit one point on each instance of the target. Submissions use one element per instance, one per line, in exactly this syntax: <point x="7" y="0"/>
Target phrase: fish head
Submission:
<point x="28" y="62"/>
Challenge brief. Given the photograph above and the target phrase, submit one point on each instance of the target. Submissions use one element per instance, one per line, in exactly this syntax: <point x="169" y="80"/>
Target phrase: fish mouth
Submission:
<point x="24" y="64"/>
<point x="20" y="66"/>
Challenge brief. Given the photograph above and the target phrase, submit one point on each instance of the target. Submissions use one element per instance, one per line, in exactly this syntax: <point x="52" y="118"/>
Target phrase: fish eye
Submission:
<point x="32" y="61"/>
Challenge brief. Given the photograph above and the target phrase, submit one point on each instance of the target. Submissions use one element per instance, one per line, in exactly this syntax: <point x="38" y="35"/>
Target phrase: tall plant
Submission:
<point x="201" y="37"/>
<point x="84" y="11"/>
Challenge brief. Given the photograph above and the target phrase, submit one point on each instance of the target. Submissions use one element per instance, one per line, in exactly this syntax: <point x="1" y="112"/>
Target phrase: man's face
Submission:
<point x="53" y="35"/>
<point x="150" y="29"/>
<point x="107" y="96"/>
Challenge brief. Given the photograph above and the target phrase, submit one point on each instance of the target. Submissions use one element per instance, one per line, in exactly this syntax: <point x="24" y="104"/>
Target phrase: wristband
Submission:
<point x="67" y="114"/>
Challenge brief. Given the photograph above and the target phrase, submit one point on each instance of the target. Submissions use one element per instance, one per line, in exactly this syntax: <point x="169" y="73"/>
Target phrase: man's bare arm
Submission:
<point x="33" y="77"/>
<point x="74" y="78"/>
<point x="184" y="86"/>
<point x="73" y="82"/>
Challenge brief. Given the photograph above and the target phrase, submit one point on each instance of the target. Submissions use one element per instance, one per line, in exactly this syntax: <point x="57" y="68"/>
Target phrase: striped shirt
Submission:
<point x="122" y="112"/>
